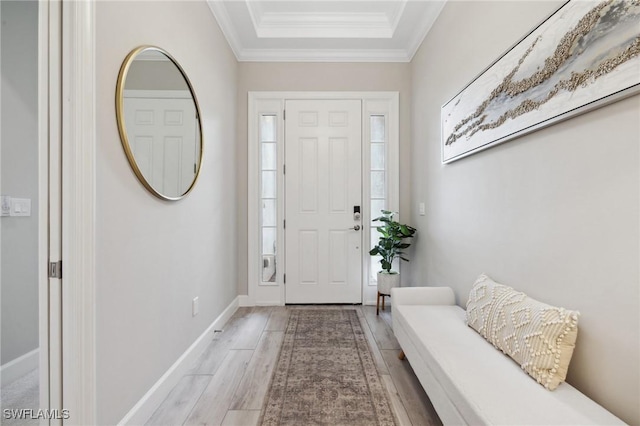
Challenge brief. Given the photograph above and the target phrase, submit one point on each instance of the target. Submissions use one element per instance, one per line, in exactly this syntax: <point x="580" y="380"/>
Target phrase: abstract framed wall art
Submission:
<point x="585" y="55"/>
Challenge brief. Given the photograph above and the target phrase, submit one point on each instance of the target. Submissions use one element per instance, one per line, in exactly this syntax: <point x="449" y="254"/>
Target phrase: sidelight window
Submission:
<point x="268" y="196"/>
<point x="378" y="195"/>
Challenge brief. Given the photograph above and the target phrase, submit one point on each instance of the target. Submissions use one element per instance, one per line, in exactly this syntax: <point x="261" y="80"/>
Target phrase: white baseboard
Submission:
<point x="244" y="300"/>
<point x="269" y="303"/>
<point x="18" y="367"/>
<point x="147" y="405"/>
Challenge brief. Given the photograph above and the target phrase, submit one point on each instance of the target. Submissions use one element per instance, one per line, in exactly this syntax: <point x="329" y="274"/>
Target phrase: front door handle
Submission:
<point x="356" y="228"/>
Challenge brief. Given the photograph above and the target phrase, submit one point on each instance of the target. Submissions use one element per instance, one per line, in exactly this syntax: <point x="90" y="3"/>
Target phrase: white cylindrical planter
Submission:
<point x="387" y="281"/>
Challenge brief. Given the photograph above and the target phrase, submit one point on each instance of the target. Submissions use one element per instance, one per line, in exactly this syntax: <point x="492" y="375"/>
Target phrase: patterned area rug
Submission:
<point x="325" y="374"/>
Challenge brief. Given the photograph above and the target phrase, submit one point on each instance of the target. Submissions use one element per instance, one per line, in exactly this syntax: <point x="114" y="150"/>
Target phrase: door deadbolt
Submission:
<point x="356" y="228"/>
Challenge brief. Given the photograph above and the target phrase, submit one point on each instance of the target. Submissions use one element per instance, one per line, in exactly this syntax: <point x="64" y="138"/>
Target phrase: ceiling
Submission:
<point x="325" y="30"/>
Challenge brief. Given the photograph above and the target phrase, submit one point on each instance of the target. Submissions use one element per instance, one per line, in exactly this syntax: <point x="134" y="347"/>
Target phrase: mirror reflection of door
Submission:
<point x="162" y="131"/>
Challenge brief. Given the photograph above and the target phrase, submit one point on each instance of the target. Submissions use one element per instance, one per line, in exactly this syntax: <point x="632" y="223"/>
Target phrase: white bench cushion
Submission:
<point x="486" y="386"/>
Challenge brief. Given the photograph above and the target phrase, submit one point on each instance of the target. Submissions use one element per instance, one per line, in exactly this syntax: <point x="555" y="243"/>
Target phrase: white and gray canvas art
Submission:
<point x="585" y="55"/>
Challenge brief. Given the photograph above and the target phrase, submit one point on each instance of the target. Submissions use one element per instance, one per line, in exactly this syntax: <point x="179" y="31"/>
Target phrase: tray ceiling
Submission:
<point x="325" y="30"/>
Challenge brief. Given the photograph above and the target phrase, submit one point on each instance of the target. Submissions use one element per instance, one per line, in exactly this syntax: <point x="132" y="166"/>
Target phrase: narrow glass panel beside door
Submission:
<point x="268" y="217"/>
<point x="378" y="185"/>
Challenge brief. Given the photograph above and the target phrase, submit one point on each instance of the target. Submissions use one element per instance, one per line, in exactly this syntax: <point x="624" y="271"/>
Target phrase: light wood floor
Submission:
<point x="229" y="383"/>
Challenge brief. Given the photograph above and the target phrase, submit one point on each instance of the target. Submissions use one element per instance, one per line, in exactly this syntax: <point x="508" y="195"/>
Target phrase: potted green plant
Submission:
<point x="389" y="247"/>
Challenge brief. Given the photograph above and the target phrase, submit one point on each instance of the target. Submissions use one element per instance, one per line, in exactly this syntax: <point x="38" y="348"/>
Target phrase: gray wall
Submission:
<point x="19" y="169"/>
<point x="153" y="256"/>
<point x="553" y="213"/>
<point x="264" y="76"/>
<point x="154" y="75"/>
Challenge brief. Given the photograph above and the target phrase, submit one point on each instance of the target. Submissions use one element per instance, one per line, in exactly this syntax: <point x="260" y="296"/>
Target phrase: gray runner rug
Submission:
<point x="325" y="374"/>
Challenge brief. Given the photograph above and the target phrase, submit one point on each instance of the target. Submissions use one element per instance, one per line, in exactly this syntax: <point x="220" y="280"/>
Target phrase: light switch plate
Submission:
<point x="20" y="207"/>
<point x="421" y="209"/>
<point x="5" y="205"/>
<point x="195" y="306"/>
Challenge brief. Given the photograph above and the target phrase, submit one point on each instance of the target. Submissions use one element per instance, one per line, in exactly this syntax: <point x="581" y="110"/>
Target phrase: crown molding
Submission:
<point x="395" y="20"/>
<point x="323" y="55"/>
<point x="324" y="25"/>
<point x="415" y="44"/>
<point x="321" y="26"/>
<point x="226" y="26"/>
<point x="254" y="8"/>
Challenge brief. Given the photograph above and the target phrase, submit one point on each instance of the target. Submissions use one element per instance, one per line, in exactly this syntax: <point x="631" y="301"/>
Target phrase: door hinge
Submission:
<point x="284" y="169"/>
<point x="285" y="278"/>
<point x="55" y="269"/>
<point x="284" y="224"/>
<point x="284" y="114"/>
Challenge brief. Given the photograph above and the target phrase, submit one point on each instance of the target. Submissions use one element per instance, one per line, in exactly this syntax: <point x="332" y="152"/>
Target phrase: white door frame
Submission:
<point x="49" y="225"/>
<point x="66" y="164"/>
<point x="47" y="355"/>
<point x="272" y="103"/>
<point x="78" y="210"/>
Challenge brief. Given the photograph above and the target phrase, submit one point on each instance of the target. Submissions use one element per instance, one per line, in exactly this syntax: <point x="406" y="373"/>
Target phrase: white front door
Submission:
<point x="323" y="188"/>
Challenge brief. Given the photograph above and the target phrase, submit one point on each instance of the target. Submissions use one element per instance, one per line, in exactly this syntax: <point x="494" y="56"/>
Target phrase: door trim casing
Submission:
<point x="79" y="210"/>
<point x="273" y="103"/>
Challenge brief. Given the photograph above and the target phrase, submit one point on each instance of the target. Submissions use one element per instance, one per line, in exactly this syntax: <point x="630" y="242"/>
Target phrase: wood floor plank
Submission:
<point x="386" y="315"/>
<point x="238" y="333"/>
<point x="381" y="330"/>
<point x="180" y="401"/>
<point x="415" y="400"/>
<point x="396" y="402"/>
<point x="233" y="331"/>
<point x="381" y="366"/>
<point x="251" y="328"/>
<point x="253" y="389"/>
<point x="241" y="418"/>
<point x="278" y="319"/>
<point x="243" y="312"/>
<point x="214" y="402"/>
<point x="211" y="358"/>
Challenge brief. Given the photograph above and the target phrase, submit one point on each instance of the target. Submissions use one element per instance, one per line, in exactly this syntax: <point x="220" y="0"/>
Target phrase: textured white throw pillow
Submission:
<point x="537" y="336"/>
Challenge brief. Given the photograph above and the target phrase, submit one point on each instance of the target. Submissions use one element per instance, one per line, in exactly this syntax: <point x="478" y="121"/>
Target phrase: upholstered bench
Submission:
<point x="467" y="379"/>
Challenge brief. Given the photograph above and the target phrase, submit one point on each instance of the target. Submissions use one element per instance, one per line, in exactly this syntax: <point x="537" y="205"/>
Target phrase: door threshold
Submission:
<point x="323" y="304"/>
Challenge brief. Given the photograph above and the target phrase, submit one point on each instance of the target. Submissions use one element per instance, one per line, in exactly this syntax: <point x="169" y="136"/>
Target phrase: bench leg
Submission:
<point x="401" y="356"/>
<point x="378" y="304"/>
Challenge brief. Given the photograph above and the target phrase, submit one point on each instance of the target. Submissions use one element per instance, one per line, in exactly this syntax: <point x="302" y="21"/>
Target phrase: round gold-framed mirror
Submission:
<point x="159" y="122"/>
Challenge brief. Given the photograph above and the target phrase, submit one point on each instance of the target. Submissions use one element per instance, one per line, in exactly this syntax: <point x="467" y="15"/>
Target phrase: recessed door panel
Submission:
<point x="308" y="248"/>
<point x="308" y="193"/>
<point x="338" y="255"/>
<point x="338" y="175"/>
